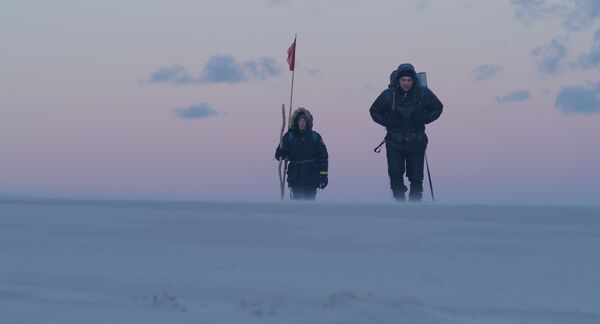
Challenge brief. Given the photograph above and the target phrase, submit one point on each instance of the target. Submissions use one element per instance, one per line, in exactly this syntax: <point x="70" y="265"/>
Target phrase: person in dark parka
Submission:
<point x="307" y="155"/>
<point x="404" y="108"/>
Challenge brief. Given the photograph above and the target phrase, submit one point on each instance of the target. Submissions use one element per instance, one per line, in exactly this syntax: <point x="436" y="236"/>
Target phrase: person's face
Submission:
<point x="301" y="123"/>
<point x="406" y="83"/>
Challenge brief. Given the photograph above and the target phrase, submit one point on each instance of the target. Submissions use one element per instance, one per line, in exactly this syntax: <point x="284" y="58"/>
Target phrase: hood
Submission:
<point x="294" y="119"/>
<point x="403" y="69"/>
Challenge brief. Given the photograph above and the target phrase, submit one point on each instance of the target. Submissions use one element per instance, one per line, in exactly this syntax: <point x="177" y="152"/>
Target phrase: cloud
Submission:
<point x="288" y="3"/>
<point x="262" y="68"/>
<point x="515" y="96"/>
<point x="575" y="14"/>
<point x="222" y="68"/>
<point x="549" y="56"/>
<point x="579" y="100"/>
<point x="484" y="72"/>
<point x="279" y="2"/>
<point x="176" y="74"/>
<point x="527" y="11"/>
<point x="219" y="69"/>
<point x="583" y="14"/>
<point x="314" y="72"/>
<point x="592" y="59"/>
<point x="200" y="111"/>
<point x="420" y="4"/>
<point x="369" y="88"/>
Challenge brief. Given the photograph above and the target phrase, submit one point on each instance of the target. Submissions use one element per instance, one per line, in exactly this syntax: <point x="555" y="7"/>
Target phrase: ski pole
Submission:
<point x="429" y="176"/>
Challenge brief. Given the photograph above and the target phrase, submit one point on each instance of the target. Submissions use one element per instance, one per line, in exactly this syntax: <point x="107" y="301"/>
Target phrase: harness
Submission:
<point x="304" y="161"/>
<point x="313" y="133"/>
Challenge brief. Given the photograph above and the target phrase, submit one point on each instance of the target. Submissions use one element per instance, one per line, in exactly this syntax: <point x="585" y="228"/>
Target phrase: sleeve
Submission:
<point x="379" y="110"/>
<point x="283" y="152"/>
<point x="322" y="155"/>
<point x="434" y="107"/>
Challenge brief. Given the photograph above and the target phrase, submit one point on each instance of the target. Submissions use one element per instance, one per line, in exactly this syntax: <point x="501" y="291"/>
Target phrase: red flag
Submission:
<point x="292" y="56"/>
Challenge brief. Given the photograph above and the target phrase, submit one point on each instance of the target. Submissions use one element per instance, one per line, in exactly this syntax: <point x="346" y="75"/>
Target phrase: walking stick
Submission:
<point x="429" y="176"/>
<point x="282" y="172"/>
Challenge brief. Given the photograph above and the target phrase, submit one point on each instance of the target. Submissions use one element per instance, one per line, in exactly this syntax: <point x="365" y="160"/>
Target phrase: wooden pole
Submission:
<point x="282" y="172"/>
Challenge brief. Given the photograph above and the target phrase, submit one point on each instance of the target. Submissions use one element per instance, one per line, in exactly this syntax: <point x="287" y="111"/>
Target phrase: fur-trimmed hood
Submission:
<point x="296" y="114"/>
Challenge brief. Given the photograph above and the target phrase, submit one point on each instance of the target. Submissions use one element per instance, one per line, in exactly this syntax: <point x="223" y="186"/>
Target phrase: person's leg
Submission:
<point x="310" y="193"/>
<point x="303" y="193"/>
<point x="297" y="193"/>
<point x="396" y="160"/>
<point x="414" y="172"/>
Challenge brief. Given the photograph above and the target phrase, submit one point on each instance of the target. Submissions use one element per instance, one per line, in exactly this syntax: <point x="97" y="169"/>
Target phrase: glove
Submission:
<point x="323" y="180"/>
<point x="279" y="154"/>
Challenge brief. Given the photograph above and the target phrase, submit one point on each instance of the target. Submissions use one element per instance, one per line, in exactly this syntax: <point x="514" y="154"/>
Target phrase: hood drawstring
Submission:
<point x="395" y="87"/>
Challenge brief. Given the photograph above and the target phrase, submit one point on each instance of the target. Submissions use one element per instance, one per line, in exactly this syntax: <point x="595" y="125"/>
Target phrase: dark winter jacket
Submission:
<point x="306" y="152"/>
<point x="405" y="114"/>
<point x="412" y="109"/>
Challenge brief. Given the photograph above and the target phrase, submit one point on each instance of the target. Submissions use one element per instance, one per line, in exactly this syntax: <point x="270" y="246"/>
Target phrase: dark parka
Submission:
<point x="306" y="152"/>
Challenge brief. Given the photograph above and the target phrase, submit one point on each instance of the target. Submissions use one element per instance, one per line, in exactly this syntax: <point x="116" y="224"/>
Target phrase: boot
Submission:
<point x="415" y="196"/>
<point x="399" y="192"/>
<point x="416" y="192"/>
<point x="399" y="196"/>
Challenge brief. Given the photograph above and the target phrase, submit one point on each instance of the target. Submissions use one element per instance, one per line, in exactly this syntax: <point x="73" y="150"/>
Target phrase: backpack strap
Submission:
<point x="315" y="136"/>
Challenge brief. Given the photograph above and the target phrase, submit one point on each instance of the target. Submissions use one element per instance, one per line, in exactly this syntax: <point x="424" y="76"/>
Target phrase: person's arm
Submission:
<point x="322" y="162"/>
<point x="322" y="155"/>
<point x="433" y="108"/>
<point x="380" y="109"/>
<point x="282" y="151"/>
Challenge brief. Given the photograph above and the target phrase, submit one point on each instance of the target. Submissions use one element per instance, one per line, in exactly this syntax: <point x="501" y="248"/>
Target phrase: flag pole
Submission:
<point x="292" y="64"/>
<point x="293" y="67"/>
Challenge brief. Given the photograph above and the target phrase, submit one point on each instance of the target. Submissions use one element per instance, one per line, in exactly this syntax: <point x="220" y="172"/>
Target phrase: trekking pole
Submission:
<point x="429" y="176"/>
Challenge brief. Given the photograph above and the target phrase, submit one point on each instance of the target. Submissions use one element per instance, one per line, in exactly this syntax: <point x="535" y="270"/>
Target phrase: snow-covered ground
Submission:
<point x="192" y="262"/>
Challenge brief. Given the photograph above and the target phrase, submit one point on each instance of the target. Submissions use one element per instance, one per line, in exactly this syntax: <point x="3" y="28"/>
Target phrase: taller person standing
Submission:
<point x="404" y="108"/>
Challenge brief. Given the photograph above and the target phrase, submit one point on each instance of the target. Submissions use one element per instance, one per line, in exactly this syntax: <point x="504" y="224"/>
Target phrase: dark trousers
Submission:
<point x="400" y="161"/>
<point x="303" y="193"/>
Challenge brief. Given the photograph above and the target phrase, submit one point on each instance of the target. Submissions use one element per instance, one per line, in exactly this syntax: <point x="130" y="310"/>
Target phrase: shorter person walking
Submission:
<point x="307" y="155"/>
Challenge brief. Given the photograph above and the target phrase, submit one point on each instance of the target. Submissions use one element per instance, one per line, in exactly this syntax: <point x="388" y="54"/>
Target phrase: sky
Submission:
<point x="182" y="99"/>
